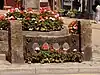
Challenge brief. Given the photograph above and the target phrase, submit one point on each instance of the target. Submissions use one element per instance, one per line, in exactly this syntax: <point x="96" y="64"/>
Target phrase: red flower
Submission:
<point x="45" y="46"/>
<point x="41" y="17"/>
<point x="29" y="9"/>
<point x="12" y="10"/>
<point x="44" y="9"/>
<point x="2" y="17"/>
<point x="75" y="27"/>
<point x="28" y="18"/>
<point x="22" y="12"/>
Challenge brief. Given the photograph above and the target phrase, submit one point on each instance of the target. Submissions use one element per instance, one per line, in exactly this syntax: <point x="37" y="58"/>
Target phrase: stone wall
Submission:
<point x="86" y="36"/>
<point x="52" y="37"/>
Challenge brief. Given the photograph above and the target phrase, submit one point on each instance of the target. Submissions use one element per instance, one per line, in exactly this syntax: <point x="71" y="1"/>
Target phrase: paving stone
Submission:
<point x="56" y="70"/>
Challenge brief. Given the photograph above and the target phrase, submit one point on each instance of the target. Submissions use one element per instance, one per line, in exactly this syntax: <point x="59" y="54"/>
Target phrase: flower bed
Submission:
<point x="46" y="54"/>
<point x="46" y="20"/>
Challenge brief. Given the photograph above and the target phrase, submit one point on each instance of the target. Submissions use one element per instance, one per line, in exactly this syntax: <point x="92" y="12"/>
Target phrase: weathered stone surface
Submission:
<point x="59" y="37"/>
<point x="96" y="42"/>
<point x="3" y="35"/>
<point x="35" y="46"/>
<point x="56" y="46"/>
<point x="74" y="42"/>
<point x="3" y="41"/>
<point x="49" y="37"/>
<point x="15" y="52"/>
<point x="86" y="39"/>
<point x="3" y="47"/>
<point x="32" y="4"/>
<point x="65" y="46"/>
<point x="50" y="34"/>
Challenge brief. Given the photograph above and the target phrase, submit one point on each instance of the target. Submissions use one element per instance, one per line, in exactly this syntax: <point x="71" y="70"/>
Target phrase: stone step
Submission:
<point x="2" y="57"/>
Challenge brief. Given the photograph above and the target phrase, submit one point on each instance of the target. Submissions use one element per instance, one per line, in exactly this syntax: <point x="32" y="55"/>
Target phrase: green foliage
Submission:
<point x="16" y="15"/>
<point x="30" y="21"/>
<point x="4" y="24"/>
<point x="73" y="13"/>
<point x="61" y="10"/>
<point x="46" y="20"/>
<point x="47" y="56"/>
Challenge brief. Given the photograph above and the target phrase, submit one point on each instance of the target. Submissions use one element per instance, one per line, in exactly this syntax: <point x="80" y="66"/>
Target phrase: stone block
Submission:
<point x="2" y="56"/>
<point x="86" y="39"/>
<point x="3" y="41"/>
<point x="3" y="47"/>
<point x="15" y="52"/>
<point x="3" y="35"/>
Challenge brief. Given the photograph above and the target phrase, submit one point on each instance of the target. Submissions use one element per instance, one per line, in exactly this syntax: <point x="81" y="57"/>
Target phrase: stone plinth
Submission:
<point x="15" y="41"/>
<point x="32" y="4"/>
<point x="2" y="12"/>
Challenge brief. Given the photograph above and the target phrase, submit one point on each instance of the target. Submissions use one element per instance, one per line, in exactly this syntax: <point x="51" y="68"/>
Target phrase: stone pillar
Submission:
<point x="15" y="41"/>
<point x="59" y="4"/>
<point x="86" y="39"/>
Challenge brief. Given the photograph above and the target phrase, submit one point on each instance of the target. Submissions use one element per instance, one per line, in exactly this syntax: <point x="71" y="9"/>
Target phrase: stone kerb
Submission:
<point x="15" y="42"/>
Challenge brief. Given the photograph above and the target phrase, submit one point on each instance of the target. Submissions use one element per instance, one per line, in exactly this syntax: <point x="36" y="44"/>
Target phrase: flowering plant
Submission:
<point x="3" y="23"/>
<point x="46" y="55"/>
<point x="46" y="20"/>
<point x="73" y="13"/>
<point x="15" y="14"/>
<point x="49" y="20"/>
<point x="73" y="27"/>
